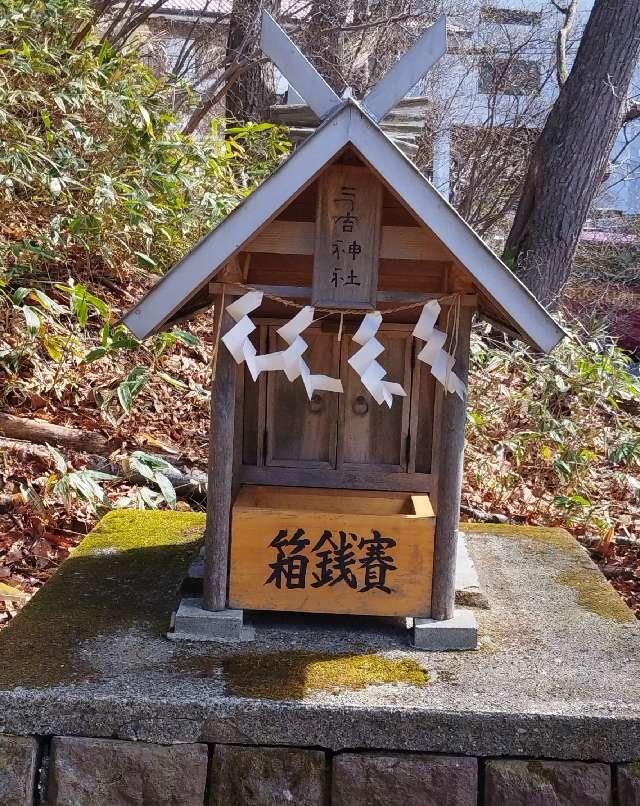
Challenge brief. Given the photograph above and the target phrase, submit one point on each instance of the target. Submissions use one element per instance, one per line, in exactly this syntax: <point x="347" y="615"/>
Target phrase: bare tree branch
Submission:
<point x="569" y="13"/>
<point x="361" y="26"/>
<point x="218" y="90"/>
<point x="135" y="21"/>
<point x="98" y="11"/>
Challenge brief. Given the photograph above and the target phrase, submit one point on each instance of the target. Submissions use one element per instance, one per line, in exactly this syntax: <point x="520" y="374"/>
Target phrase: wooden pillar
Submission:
<point x="450" y="469"/>
<point x="221" y="453"/>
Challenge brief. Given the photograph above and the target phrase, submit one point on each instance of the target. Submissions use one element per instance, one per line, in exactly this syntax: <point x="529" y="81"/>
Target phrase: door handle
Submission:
<point x="360" y="405"/>
<point x="316" y="404"/>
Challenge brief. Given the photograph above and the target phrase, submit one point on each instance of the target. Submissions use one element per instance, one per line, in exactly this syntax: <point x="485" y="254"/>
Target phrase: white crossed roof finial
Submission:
<point x="308" y="83"/>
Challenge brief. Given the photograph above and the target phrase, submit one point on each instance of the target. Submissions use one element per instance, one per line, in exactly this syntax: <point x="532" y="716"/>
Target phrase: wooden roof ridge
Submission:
<point x="403" y="124"/>
<point x="349" y="124"/>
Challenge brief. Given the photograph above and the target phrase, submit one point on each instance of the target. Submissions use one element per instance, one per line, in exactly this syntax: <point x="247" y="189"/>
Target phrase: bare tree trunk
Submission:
<point x="571" y="155"/>
<point x="251" y="93"/>
<point x="321" y="40"/>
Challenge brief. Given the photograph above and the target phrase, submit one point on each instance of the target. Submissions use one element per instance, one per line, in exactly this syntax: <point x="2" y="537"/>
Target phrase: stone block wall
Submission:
<point x="75" y="771"/>
<point x="19" y="763"/>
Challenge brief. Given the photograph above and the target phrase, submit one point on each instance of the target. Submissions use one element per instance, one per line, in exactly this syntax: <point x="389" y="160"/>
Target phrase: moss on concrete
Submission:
<point x="594" y="593"/>
<point x="293" y="675"/>
<point x="550" y="536"/>
<point x="126" y="572"/>
<point x="127" y="530"/>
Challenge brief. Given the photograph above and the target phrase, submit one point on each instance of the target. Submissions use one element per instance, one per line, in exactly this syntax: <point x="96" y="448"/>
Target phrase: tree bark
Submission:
<point x="451" y="465"/>
<point x="252" y="91"/>
<point x="220" y="483"/>
<point x="571" y="154"/>
<point x="42" y="431"/>
<point x="321" y="40"/>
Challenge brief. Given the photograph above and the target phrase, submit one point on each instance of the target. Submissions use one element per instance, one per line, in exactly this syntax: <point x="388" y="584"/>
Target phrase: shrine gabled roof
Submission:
<point x="349" y="125"/>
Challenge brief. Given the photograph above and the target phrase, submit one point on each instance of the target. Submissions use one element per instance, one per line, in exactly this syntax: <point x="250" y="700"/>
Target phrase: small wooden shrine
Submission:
<point x="343" y="290"/>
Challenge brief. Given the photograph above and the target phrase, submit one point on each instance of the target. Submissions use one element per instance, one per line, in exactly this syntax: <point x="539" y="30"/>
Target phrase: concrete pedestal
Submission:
<point x="459" y="632"/>
<point x="192" y="622"/>
<point x="88" y="657"/>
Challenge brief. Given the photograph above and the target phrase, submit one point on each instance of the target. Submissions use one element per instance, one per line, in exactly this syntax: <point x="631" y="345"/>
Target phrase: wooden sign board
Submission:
<point x="345" y="269"/>
<point x="331" y="551"/>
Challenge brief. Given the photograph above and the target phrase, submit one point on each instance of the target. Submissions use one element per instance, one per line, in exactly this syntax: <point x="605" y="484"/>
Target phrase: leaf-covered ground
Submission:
<point x="555" y="441"/>
<point x="40" y="525"/>
<point x="99" y="192"/>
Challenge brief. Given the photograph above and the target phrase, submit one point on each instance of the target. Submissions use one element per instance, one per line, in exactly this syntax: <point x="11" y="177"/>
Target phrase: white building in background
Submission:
<point x="515" y="41"/>
<point x="510" y="43"/>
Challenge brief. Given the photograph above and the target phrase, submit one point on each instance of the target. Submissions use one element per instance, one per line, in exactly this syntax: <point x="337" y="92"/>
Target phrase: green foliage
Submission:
<point x="164" y="340"/>
<point x="82" y="302"/>
<point x="153" y="468"/>
<point x="89" y="144"/>
<point x="71" y="485"/>
<point x="131" y="387"/>
<point x="549" y="435"/>
<point x="112" y="340"/>
<point x="83" y="484"/>
<point x="96" y="180"/>
<point x="626" y="452"/>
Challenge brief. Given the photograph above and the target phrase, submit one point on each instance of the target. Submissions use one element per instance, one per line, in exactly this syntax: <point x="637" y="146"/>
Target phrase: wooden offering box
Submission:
<point x="332" y="551"/>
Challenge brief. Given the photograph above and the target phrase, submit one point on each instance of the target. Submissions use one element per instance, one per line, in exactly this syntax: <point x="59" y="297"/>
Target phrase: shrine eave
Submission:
<point x="508" y="301"/>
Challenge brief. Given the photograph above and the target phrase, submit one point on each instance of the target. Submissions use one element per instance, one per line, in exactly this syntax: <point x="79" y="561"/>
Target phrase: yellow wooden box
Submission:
<point x="332" y="551"/>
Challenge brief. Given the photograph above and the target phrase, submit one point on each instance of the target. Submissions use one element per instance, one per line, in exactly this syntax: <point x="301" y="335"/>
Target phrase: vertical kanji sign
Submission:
<point x="345" y="271"/>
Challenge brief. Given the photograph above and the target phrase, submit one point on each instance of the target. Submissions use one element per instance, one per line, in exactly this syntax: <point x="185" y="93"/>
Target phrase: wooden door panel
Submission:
<point x="423" y="408"/>
<point x="299" y="431"/>
<point x="254" y="407"/>
<point x="371" y="434"/>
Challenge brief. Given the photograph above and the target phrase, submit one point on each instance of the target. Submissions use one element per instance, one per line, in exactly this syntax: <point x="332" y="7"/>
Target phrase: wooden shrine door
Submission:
<point x="371" y="434"/>
<point x="303" y="432"/>
<point x="348" y="430"/>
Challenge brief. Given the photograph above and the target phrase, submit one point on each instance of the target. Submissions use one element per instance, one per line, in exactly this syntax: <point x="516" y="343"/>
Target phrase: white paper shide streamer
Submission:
<point x="433" y="352"/>
<point x="364" y="362"/>
<point x="290" y="361"/>
<point x="236" y="340"/>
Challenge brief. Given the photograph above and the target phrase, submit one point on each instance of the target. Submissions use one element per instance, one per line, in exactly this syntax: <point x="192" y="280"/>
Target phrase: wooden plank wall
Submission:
<point x="341" y="439"/>
<point x="330" y="442"/>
